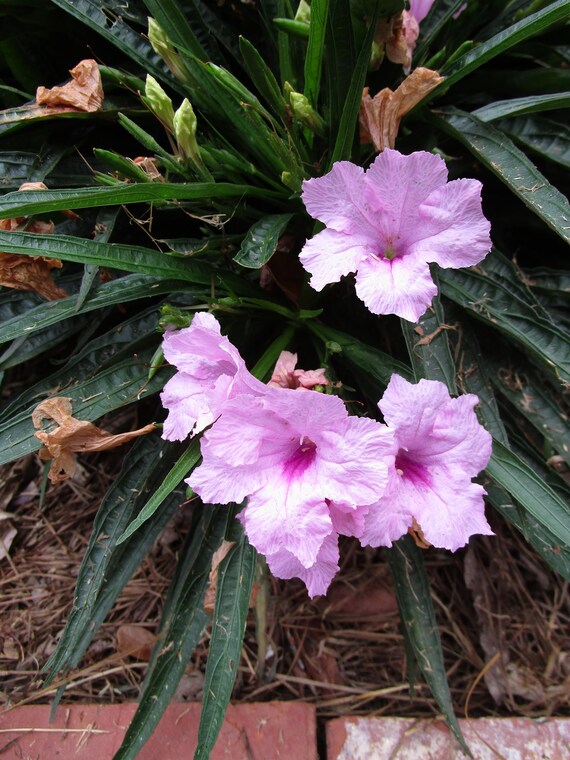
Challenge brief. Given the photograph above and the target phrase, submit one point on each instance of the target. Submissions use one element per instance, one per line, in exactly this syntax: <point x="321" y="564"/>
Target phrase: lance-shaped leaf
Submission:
<point x="521" y="106"/>
<point x="494" y="149"/>
<point x="261" y="241"/>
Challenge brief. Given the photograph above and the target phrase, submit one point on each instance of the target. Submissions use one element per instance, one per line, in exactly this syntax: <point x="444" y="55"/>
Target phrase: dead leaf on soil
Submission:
<point x="380" y="116"/>
<point x="83" y="93"/>
<point x="72" y="436"/>
<point x="135" y="641"/>
<point x="218" y="556"/>
<point x="7" y="535"/>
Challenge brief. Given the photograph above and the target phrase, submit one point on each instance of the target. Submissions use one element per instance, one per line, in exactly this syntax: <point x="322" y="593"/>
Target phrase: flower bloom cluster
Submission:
<point x="309" y="471"/>
<point x="388" y="223"/>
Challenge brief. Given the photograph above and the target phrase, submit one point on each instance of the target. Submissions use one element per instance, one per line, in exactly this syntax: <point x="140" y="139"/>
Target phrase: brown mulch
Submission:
<point x="344" y="652"/>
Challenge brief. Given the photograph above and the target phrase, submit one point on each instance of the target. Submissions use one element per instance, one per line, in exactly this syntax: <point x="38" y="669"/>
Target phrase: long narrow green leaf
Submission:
<point x="315" y="50"/>
<point x="261" y="241"/>
<point x="43" y="201"/>
<point x="123" y="290"/>
<point x="124" y="257"/>
<point x="262" y="77"/>
<point x="106" y="567"/>
<point x="494" y="149"/>
<point x="183" y="623"/>
<point x="419" y="624"/>
<point x="548" y="139"/>
<point x="179" y="471"/>
<point x="521" y="106"/>
<point x="529" y="27"/>
<point x="349" y="119"/>
<point x="235" y="579"/>
<point x="496" y="304"/>
<point x="428" y="346"/>
<point x="509" y="471"/>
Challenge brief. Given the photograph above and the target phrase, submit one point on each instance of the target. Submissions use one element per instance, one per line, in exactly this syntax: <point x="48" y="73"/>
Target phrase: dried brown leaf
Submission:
<point x="135" y="641"/>
<point x="71" y="436"/>
<point x="30" y="273"/>
<point x="217" y="558"/>
<point x="7" y="535"/>
<point x="83" y="93"/>
<point x="380" y="116"/>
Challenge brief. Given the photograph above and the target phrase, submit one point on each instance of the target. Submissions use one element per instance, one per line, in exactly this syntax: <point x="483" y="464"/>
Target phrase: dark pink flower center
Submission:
<point x="411" y="469"/>
<point x="300" y="458"/>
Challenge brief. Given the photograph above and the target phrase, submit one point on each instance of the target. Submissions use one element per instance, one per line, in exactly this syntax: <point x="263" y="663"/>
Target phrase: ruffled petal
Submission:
<point x="451" y="229"/>
<point x="348" y="520"/>
<point x="337" y="200"/>
<point x="388" y="519"/>
<point x="412" y="408"/>
<point x="331" y="255"/>
<point x="420" y="9"/>
<point x="318" y="577"/>
<point x="402" y="286"/>
<point x="395" y="186"/>
<point x="191" y="406"/>
<point x="217" y="483"/>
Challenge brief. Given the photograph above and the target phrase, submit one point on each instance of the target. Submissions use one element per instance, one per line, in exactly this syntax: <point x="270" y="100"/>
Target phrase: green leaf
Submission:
<point x="180" y="470"/>
<point x="123" y="290"/>
<point x="548" y="139"/>
<point x="497" y="304"/>
<point x="529" y="27"/>
<point x="537" y="498"/>
<point x="181" y="627"/>
<point x="261" y="241"/>
<point x="235" y="580"/>
<point x="106" y="566"/>
<point x="419" y="624"/>
<point x="536" y="401"/>
<point x="262" y="77"/>
<point x="494" y="149"/>
<point x="124" y="257"/>
<point x="315" y="50"/>
<point x="521" y="106"/>
<point x="428" y="346"/>
<point x="43" y="201"/>
<point x="352" y="99"/>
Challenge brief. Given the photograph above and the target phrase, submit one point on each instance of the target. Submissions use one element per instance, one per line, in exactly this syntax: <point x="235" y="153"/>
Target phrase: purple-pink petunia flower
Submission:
<point x="388" y="223"/>
<point x="294" y="455"/>
<point x="210" y="371"/>
<point x="440" y="447"/>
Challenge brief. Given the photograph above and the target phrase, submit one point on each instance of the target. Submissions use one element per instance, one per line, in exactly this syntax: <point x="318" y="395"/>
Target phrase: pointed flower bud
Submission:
<point x="163" y="47"/>
<point x="185" y="125"/>
<point x="306" y="114"/>
<point x="303" y="12"/>
<point x="158" y="101"/>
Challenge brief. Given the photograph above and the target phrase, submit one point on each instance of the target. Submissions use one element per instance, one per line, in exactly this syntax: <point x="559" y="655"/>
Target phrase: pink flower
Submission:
<point x="286" y="376"/>
<point x="440" y="447"/>
<point x="210" y="371"/>
<point x="401" y="44"/>
<point x="388" y="223"/>
<point x="420" y="9"/>
<point x="294" y="455"/>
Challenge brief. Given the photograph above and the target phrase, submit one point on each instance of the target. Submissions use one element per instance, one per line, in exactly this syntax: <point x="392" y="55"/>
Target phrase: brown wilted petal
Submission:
<point x="380" y="116"/>
<point x="135" y="641"/>
<point x="402" y="42"/>
<point x="83" y="93"/>
<point x="149" y="166"/>
<point x="71" y="436"/>
<point x="217" y="557"/>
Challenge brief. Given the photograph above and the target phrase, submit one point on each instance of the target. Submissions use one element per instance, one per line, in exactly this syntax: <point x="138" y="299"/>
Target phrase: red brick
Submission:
<point x="262" y="731"/>
<point x="411" y="739"/>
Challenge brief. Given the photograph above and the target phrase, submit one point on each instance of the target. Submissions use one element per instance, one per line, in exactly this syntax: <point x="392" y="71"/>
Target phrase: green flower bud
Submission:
<point x="303" y="12"/>
<point x="185" y="124"/>
<point x="306" y="114"/>
<point x="163" y="47"/>
<point x="158" y="101"/>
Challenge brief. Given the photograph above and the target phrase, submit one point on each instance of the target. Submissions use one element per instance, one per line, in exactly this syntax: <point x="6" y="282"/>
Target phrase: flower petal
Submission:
<point x="318" y="577"/>
<point x="454" y="232"/>
<point x="396" y="185"/>
<point x="330" y="255"/>
<point x="402" y="286"/>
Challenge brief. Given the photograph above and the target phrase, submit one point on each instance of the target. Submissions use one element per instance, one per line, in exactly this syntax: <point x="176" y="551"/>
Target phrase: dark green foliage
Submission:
<point x="165" y="235"/>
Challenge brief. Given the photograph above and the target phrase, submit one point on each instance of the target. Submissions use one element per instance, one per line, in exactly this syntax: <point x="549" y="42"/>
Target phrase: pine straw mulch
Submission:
<point x="344" y="653"/>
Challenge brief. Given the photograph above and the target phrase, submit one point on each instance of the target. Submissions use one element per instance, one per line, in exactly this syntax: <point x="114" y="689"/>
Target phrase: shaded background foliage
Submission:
<point x="499" y="330"/>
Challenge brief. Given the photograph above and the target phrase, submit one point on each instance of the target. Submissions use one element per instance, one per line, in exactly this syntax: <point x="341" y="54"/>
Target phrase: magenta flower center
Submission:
<point x="411" y="469"/>
<point x="302" y="455"/>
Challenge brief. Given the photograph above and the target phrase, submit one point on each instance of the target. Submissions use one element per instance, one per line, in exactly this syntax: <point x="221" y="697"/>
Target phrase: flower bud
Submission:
<point x="185" y="125"/>
<point x="306" y="114"/>
<point x="303" y="12"/>
<point x="158" y="101"/>
<point x="163" y="47"/>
